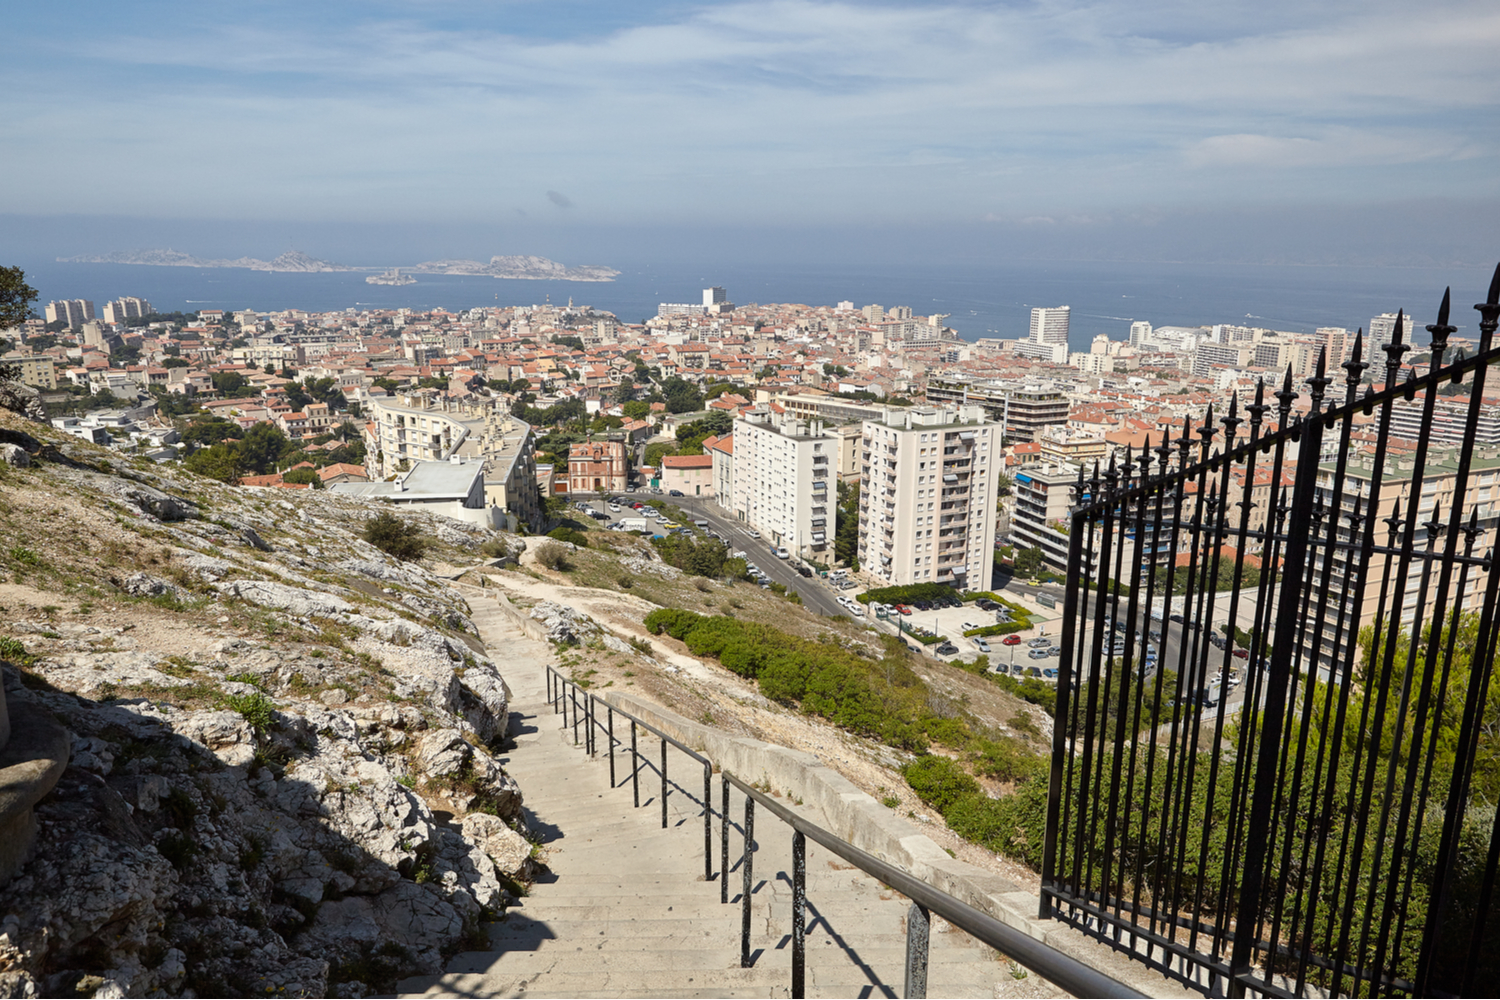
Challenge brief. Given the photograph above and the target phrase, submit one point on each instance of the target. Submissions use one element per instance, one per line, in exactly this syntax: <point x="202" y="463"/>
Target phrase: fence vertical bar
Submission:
<point x="1277" y="678"/>
<point x="664" y="783"/>
<point x="799" y="914"/>
<point x="724" y="845"/>
<point x="918" y="933"/>
<point x="635" y="768"/>
<point x="588" y="724"/>
<point x="747" y="869"/>
<point x="609" y="713"/>
<point x="708" y="822"/>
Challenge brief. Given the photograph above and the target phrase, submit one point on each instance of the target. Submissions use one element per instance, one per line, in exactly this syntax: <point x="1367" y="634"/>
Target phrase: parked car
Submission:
<point x="1039" y="642"/>
<point x="969" y="625"/>
<point x="1011" y="640"/>
<point x="1037" y="654"/>
<point x="782" y="552"/>
<point x="1243" y="654"/>
<point x="1054" y="650"/>
<point x="674" y="493"/>
<point x="903" y="609"/>
<point x="980" y="644"/>
<point x="753" y="534"/>
<point x="947" y="649"/>
<point x="1049" y="673"/>
<point x="987" y="604"/>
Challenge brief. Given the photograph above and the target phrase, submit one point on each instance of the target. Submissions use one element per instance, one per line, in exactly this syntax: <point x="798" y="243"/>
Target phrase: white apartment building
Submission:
<point x="928" y="480"/>
<point x="783" y="481"/>
<point x="1049" y="335"/>
<point x="425" y="427"/>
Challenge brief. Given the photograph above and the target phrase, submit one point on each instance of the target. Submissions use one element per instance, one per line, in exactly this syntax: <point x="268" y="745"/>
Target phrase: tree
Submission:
<point x="16" y="297"/>
<point x="656" y="452"/>
<point x="846" y="533"/>
<point x="229" y="383"/>
<point x="395" y="536"/>
<point x="1029" y="561"/>
<point x="301" y="476"/>
<point x="175" y="363"/>
<point x="221" y="462"/>
<point x="263" y="446"/>
<point x="636" y="409"/>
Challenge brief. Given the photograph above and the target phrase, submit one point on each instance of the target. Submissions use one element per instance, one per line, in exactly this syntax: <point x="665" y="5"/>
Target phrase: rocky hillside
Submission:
<point x="283" y="777"/>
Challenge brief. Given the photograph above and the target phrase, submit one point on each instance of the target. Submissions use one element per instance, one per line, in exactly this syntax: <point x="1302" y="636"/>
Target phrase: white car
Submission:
<point x="753" y="534"/>
<point x="614" y="508"/>
<point x="782" y="553"/>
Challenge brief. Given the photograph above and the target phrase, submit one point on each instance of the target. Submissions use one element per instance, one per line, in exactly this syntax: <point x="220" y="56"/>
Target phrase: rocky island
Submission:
<point x="513" y="267"/>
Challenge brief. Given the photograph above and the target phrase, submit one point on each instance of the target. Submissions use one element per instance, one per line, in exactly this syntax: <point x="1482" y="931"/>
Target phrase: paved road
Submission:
<point x="816" y="595"/>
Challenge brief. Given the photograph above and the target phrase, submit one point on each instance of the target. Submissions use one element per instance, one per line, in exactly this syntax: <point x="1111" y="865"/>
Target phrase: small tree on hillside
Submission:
<point x="395" y="536"/>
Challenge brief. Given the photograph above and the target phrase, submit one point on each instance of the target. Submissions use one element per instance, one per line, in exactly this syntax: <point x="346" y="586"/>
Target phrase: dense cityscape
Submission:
<point x="760" y="407"/>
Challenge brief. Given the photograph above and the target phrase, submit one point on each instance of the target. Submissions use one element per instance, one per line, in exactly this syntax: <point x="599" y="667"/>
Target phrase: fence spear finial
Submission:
<point x="1489" y="312"/>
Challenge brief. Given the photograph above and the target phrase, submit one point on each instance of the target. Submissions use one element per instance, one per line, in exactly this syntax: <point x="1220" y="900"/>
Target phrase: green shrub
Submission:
<point x="395" y="536"/>
<point x="939" y="782"/>
<point x="1006" y="629"/>
<point x="908" y="593"/>
<point x="1006" y="759"/>
<point x="578" y="538"/>
<point x="255" y="708"/>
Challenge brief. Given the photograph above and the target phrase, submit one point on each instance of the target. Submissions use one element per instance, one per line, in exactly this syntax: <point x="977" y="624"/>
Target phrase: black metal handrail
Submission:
<point x="579" y="706"/>
<point x="563" y="692"/>
<point x="1052" y="965"/>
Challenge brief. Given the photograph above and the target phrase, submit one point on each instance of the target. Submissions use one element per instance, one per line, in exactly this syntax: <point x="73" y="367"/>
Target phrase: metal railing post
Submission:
<point x="918" y="933"/>
<point x="708" y="822"/>
<point x="747" y="866"/>
<point x="573" y="696"/>
<point x="635" y="768"/>
<point x="610" y="715"/>
<point x="724" y="845"/>
<point x="664" y="783"/>
<point x="799" y="914"/>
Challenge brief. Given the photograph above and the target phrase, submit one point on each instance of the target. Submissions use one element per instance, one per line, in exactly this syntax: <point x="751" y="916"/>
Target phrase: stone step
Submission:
<point x="624" y="909"/>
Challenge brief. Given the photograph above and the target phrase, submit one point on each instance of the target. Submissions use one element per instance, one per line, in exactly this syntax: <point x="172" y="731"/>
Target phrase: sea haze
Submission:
<point x="991" y="299"/>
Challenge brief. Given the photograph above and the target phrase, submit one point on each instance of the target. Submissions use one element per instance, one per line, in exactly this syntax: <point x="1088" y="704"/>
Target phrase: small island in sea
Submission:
<point x="514" y="267"/>
<point x="391" y="277"/>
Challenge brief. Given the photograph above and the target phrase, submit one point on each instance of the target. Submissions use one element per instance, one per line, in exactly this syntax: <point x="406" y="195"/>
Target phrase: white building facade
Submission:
<point x="784" y="471"/>
<point x="928" y="482"/>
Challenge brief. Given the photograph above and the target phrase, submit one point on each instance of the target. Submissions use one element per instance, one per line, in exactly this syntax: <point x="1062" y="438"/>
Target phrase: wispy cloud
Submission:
<point x="782" y="108"/>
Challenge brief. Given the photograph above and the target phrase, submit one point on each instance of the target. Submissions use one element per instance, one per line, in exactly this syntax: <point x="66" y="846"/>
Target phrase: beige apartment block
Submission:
<point x="928" y="480"/>
<point x="35" y="371"/>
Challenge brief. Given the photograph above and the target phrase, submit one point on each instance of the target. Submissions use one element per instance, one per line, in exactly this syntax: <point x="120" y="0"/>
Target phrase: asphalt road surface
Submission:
<point x="817" y="595"/>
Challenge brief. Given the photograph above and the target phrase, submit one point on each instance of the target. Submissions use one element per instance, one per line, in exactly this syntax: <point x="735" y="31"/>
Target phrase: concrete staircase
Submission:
<point x="624" y="909"/>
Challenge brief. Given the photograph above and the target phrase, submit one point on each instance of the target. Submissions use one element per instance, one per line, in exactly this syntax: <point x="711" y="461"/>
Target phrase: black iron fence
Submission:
<point x="1276" y="752"/>
<point x="596" y="717"/>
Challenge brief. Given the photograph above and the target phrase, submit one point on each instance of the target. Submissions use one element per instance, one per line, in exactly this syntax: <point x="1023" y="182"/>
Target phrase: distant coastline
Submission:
<point x="522" y="268"/>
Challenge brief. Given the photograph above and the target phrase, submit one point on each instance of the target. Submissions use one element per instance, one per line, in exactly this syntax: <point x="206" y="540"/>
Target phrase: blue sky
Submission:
<point x="1021" y="118"/>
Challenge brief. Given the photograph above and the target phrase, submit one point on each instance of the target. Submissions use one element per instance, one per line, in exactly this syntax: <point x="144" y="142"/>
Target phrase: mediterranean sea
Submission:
<point x="982" y="299"/>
